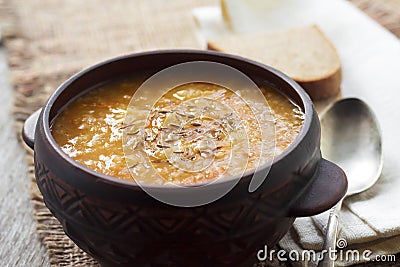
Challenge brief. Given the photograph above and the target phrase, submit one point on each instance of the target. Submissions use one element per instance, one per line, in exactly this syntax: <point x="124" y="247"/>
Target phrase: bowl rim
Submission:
<point x="44" y="119"/>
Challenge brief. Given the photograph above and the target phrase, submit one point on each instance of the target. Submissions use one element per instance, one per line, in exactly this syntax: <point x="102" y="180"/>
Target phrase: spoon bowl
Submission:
<point x="351" y="138"/>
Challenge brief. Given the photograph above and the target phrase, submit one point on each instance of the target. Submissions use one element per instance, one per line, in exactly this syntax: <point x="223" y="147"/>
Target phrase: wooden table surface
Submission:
<point x="19" y="244"/>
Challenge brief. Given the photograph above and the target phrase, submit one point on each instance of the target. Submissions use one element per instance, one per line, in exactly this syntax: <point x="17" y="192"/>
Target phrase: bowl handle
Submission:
<point x="328" y="187"/>
<point x="28" y="130"/>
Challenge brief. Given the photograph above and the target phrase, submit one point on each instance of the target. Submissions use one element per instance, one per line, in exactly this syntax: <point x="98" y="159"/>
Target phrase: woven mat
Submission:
<point x="49" y="40"/>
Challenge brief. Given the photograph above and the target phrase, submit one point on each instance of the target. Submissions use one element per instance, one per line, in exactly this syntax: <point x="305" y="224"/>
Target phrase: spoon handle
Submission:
<point x="330" y="240"/>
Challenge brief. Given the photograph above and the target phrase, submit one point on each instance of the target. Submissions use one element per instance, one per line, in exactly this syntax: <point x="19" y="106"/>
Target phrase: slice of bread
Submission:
<point x="304" y="54"/>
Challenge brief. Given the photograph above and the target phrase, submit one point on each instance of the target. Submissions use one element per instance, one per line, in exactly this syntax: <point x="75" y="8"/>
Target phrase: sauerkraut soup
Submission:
<point x="196" y="132"/>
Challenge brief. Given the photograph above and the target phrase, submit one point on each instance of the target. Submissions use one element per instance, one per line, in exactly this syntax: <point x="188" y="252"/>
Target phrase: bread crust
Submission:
<point x="323" y="88"/>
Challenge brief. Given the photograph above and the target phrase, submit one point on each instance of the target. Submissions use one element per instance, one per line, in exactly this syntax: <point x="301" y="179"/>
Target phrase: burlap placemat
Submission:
<point x="48" y="41"/>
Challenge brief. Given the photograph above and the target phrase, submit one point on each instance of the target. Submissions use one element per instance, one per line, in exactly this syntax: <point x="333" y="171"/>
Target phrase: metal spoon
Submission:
<point x="351" y="138"/>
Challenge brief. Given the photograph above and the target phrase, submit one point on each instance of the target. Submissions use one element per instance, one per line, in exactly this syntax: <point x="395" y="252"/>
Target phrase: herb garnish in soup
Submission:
<point x="189" y="135"/>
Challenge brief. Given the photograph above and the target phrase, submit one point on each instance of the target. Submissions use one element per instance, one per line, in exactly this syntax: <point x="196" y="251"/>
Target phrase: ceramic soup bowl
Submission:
<point x="119" y="224"/>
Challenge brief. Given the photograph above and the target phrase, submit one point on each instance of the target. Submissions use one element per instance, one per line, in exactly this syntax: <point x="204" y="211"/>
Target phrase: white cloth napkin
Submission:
<point x="371" y="71"/>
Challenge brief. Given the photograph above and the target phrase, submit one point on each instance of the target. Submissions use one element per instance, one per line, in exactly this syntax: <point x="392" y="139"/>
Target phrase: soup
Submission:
<point x="196" y="132"/>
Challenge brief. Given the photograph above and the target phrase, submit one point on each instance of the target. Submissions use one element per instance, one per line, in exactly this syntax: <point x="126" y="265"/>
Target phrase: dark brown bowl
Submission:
<point x="119" y="224"/>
